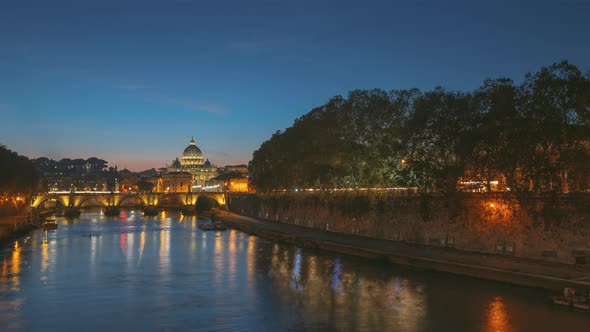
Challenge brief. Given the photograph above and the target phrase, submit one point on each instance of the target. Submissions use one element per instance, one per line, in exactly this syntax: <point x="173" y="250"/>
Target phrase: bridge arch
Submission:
<point x="99" y="199"/>
<point x="218" y="197"/>
<point x="126" y="198"/>
<point x="40" y="200"/>
<point x="77" y="199"/>
<point x="207" y="201"/>
<point x="165" y="199"/>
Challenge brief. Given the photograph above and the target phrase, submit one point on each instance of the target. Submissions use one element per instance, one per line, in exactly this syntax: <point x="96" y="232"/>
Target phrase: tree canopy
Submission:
<point x="529" y="137"/>
<point x="18" y="175"/>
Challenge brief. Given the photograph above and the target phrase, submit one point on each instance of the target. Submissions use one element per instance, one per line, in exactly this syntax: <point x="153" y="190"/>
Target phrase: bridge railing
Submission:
<point x="82" y="192"/>
<point x="65" y="192"/>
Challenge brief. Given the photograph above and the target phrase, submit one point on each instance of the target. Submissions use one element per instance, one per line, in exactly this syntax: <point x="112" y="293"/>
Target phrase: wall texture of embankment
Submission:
<point x="544" y="227"/>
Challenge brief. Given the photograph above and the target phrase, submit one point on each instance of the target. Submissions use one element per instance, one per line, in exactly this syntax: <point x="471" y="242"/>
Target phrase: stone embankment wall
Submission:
<point x="543" y="227"/>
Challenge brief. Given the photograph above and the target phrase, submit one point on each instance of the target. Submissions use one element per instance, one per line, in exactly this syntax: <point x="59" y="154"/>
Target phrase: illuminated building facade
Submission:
<point x="177" y="182"/>
<point x="239" y="185"/>
<point x="193" y="163"/>
<point x="235" y="182"/>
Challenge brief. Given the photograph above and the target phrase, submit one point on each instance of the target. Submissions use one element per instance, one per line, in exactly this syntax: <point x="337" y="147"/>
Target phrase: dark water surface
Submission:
<point x="164" y="274"/>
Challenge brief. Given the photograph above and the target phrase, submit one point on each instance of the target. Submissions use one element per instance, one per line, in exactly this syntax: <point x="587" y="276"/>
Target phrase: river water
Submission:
<point x="164" y="274"/>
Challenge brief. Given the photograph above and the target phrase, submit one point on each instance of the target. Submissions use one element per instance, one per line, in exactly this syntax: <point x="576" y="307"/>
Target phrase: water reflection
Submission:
<point x="130" y="250"/>
<point x="141" y="244"/>
<point x="4" y="274"/>
<point x="218" y="259"/>
<point x="296" y="283"/>
<point x="123" y="242"/>
<point x="332" y="292"/>
<point x="497" y="317"/>
<point x="44" y="254"/>
<point x="251" y="262"/>
<point x="152" y="274"/>
<point x="164" y="257"/>
<point x="15" y="264"/>
<point x="336" y="283"/>
<point x="204" y="240"/>
<point x="231" y="251"/>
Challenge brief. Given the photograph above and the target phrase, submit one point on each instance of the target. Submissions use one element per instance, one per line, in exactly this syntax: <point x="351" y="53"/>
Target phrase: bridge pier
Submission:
<point x="151" y="199"/>
<point x="150" y="210"/>
<point x="71" y="212"/>
<point x="188" y="210"/>
<point x="112" y="211"/>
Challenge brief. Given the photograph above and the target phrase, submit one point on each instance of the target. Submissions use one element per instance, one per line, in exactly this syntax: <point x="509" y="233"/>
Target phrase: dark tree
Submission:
<point x="18" y="175"/>
<point x="532" y="137"/>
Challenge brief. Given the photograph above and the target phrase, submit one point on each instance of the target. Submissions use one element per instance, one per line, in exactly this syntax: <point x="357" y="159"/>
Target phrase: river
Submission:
<point x="162" y="273"/>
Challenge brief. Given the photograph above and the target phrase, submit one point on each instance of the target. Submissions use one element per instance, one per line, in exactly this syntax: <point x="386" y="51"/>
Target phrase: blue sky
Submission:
<point x="132" y="81"/>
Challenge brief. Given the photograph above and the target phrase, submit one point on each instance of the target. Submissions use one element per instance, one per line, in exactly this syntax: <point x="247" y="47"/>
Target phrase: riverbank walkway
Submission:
<point x="520" y="271"/>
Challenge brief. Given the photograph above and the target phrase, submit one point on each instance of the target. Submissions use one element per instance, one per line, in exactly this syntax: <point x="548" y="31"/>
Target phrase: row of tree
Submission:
<point x="534" y="136"/>
<point x="18" y="175"/>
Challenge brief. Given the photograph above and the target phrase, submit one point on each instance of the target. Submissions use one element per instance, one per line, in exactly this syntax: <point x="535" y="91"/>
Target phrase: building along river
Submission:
<point x="136" y="273"/>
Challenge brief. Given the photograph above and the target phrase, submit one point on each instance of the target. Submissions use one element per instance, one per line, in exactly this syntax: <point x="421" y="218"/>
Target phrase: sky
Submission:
<point x="132" y="81"/>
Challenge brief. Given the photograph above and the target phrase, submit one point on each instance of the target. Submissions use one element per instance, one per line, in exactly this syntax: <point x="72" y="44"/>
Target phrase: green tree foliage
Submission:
<point x="531" y="137"/>
<point x="437" y="140"/>
<point x="18" y="175"/>
<point x="144" y="185"/>
<point x="499" y="138"/>
<point x="556" y="104"/>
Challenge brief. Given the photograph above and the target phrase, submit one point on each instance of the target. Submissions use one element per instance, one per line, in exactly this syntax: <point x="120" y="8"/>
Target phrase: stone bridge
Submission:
<point x="116" y="199"/>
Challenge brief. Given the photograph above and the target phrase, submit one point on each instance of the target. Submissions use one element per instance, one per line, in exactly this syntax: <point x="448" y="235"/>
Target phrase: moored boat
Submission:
<point x="582" y="305"/>
<point x="562" y="301"/>
<point x="48" y="224"/>
<point x="571" y="300"/>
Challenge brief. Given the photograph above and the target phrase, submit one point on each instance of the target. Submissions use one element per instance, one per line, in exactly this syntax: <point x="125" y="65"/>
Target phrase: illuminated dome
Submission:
<point x="192" y="155"/>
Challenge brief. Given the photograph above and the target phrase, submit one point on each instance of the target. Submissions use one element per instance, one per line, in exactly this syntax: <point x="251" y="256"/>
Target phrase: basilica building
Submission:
<point x="192" y="173"/>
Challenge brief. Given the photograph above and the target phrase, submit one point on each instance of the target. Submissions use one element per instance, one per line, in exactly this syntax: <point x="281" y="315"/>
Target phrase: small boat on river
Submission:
<point x="571" y="300"/>
<point x="49" y="225"/>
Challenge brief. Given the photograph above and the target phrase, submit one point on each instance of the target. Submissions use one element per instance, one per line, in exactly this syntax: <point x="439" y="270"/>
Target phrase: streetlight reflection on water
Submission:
<point x="153" y="264"/>
<point x="16" y="265"/>
<point x="497" y="318"/>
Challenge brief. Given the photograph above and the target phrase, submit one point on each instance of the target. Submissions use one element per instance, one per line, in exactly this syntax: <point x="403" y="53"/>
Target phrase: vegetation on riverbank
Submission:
<point x="529" y="137"/>
<point x="19" y="179"/>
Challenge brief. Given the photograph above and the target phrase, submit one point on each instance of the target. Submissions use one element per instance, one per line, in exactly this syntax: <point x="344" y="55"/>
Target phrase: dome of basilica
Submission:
<point x="192" y="155"/>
